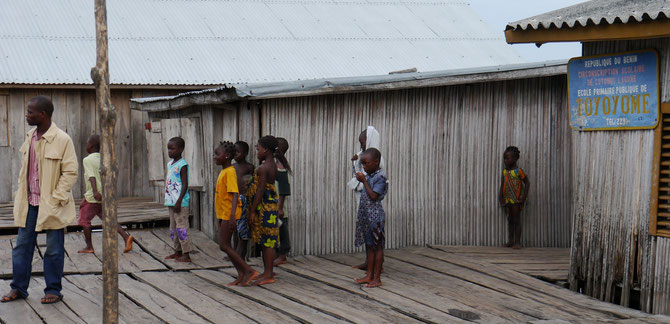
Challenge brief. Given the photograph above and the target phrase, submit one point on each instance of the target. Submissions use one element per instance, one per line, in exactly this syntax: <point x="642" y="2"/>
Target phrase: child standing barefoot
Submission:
<point x="513" y="192"/>
<point x="263" y="211"/>
<point x="228" y="211"/>
<point x="244" y="171"/>
<point x="91" y="205"/>
<point x="368" y="138"/>
<point x="176" y="198"/>
<point x="371" y="216"/>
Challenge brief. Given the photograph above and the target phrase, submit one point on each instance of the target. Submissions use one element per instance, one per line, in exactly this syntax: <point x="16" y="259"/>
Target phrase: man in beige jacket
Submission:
<point x="43" y="201"/>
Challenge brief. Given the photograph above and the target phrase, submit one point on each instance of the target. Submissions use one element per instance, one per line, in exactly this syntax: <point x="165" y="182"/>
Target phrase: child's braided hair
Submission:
<point x="514" y="150"/>
<point x="228" y="147"/>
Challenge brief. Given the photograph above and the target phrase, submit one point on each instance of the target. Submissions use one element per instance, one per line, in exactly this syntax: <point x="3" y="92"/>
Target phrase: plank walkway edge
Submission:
<point x="544" y="287"/>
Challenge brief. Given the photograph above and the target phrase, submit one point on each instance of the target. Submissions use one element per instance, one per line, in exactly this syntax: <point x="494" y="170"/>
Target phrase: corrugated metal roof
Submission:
<point x="231" y="92"/>
<point x="207" y="42"/>
<point x="596" y="12"/>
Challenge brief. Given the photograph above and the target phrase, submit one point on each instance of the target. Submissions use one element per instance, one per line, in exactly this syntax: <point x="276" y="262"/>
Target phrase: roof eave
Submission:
<point x="591" y="33"/>
<point x="228" y="94"/>
<point x="156" y="104"/>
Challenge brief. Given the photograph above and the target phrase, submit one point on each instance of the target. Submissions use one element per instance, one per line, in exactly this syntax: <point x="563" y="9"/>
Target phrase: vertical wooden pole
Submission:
<point x="108" y="169"/>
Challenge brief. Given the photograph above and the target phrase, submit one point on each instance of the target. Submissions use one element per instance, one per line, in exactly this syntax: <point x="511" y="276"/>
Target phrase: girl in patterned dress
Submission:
<point x="513" y="192"/>
<point x="371" y="217"/>
<point x="263" y="209"/>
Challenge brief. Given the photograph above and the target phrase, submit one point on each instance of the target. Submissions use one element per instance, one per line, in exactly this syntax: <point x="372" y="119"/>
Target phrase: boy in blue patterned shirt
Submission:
<point x="177" y="198"/>
<point x="371" y="216"/>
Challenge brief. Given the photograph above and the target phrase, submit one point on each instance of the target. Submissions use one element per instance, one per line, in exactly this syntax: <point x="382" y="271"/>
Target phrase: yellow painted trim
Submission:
<point x="658" y="91"/>
<point x="655" y="178"/>
<point x="631" y="30"/>
<point x="656" y="175"/>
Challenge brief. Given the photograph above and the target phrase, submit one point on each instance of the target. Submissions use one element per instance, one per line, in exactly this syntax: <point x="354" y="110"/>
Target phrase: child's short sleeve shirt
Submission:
<point x="512" y="184"/>
<point x="173" y="184"/>
<point x="379" y="183"/>
<point x="223" y="201"/>
<point x="92" y="170"/>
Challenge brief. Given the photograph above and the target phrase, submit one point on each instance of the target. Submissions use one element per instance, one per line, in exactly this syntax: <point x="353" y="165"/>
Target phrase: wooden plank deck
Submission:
<point x="549" y="264"/>
<point x="421" y="285"/>
<point x="130" y="210"/>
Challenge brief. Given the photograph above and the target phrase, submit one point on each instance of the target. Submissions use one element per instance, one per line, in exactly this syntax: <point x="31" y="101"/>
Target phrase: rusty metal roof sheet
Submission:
<point x="232" y="92"/>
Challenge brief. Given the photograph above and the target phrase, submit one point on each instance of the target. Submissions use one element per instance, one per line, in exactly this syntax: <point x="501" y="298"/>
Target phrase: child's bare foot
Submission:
<point x="366" y="279"/>
<point x="129" y="244"/>
<point x="374" y="283"/>
<point x="279" y="260"/>
<point x="263" y="281"/>
<point x="516" y="246"/>
<point x="173" y="256"/>
<point x="87" y="250"/>
<point x="183" y="258"/>
<point x="363" y="266"/>
<point x="248" y="278"/>
<point x="236" y="282"/>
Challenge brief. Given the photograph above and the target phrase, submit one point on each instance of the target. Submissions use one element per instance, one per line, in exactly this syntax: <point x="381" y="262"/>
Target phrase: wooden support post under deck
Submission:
<point x="108" y="169"/>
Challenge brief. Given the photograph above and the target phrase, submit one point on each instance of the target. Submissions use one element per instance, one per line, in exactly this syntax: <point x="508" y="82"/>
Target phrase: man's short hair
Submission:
<point x="43" y="104"/>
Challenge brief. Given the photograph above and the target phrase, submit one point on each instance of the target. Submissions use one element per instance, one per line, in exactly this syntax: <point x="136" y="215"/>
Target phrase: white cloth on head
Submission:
<point x="372" y="139"/>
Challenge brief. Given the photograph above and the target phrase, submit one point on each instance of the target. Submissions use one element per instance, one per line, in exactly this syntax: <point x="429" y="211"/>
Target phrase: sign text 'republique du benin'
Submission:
<point x="614" y="91"/>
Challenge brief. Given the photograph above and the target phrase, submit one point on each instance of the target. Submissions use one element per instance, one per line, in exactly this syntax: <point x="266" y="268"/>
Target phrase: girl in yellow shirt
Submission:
<point x="228" y="211"/>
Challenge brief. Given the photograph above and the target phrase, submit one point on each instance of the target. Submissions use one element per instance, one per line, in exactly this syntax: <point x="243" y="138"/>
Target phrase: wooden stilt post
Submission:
<point x="108" y="169"/>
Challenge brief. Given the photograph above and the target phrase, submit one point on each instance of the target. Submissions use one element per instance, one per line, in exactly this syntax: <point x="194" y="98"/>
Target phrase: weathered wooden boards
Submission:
<point x="611" y="243"/>
<point x="136" y="260"/>
<point x="130" y="210"/>
<point x="205" y="255"/>
<point x="75" y="113"/>
<point x="550" y="264"/>
<point x="458" y="132"/>
<point x="421" y="285"/>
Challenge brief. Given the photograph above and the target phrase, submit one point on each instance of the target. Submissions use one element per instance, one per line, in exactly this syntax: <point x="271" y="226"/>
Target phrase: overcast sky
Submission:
<point x="497" y="13"/>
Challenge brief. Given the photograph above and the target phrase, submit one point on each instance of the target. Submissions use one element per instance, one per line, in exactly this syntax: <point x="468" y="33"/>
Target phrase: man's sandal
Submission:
<point x="10" y="298"/>
<point x="52" y="299"/>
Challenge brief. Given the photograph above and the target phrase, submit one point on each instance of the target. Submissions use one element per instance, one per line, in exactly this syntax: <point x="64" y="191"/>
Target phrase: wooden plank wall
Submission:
<point x="611" y="245"/>
<point x="75" y="113"/>
<point x="214" y="124"/>
<point x="443" y="148"/>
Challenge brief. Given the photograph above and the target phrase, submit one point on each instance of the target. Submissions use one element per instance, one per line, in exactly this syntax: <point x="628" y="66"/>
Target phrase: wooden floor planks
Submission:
<point x="421" y="285"/>
<point x="84" y="263"/>
<point x="130" y="210"/>
<point x="265" y="297"/>
<point x="550" y="264"/>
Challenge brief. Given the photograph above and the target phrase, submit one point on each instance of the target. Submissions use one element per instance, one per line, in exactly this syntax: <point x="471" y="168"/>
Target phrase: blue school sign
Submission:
<point x="614" y="91"/>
